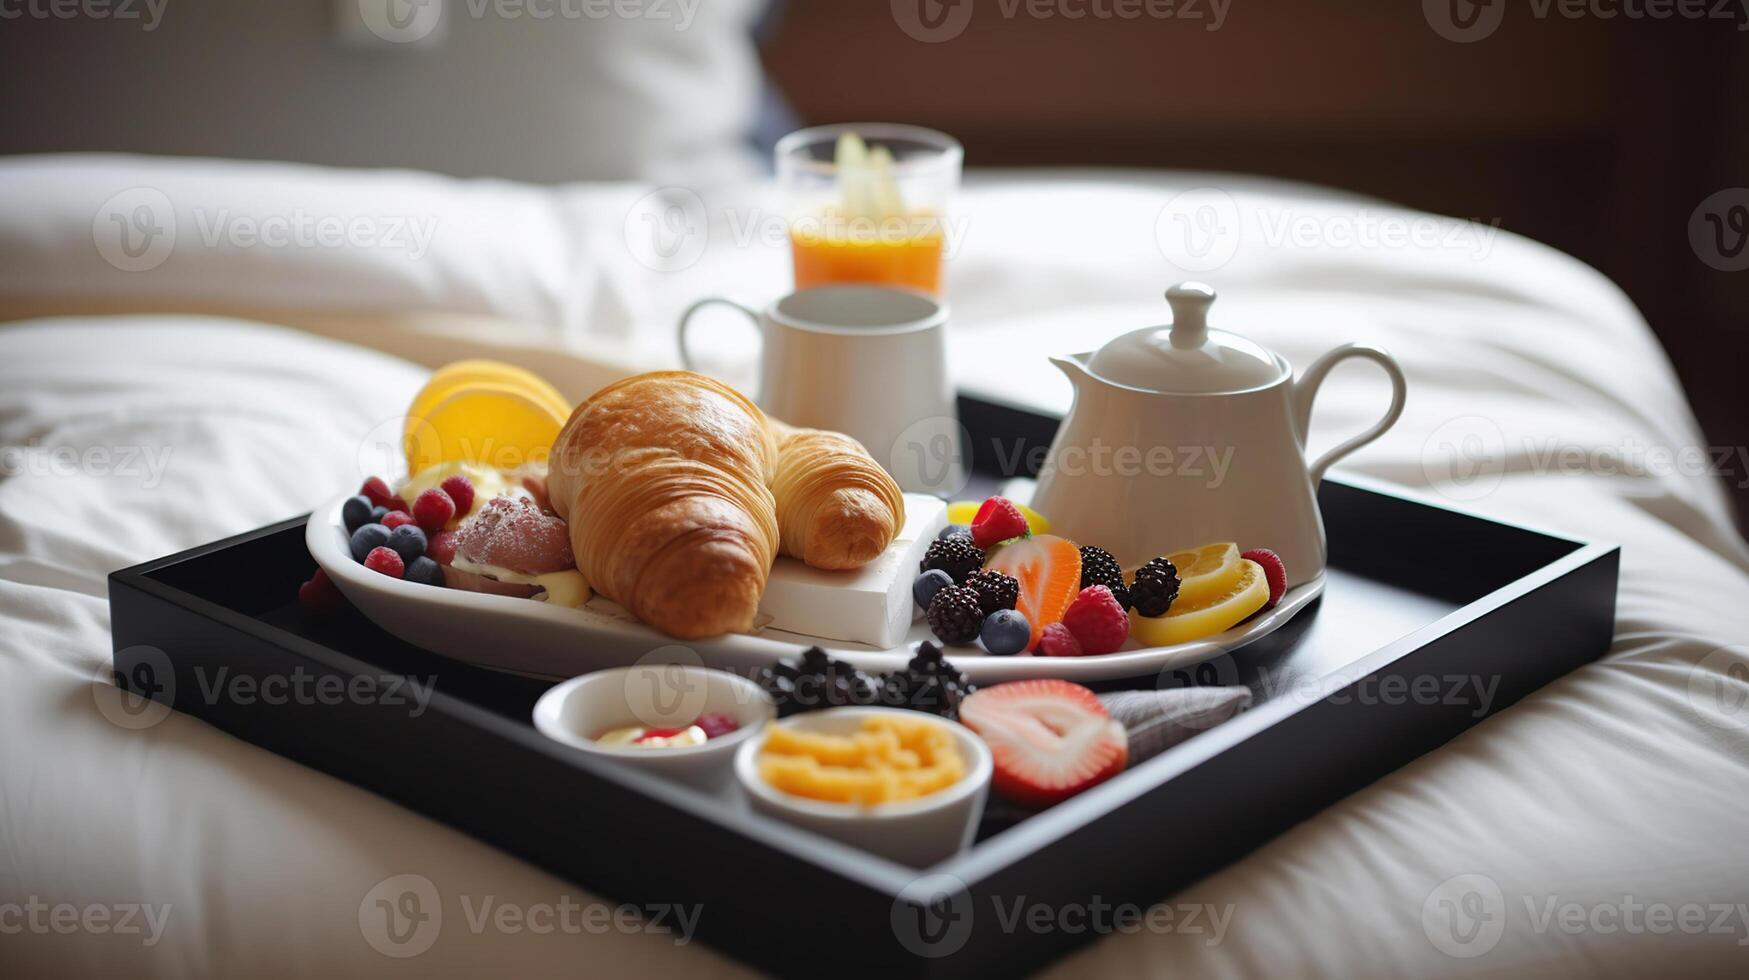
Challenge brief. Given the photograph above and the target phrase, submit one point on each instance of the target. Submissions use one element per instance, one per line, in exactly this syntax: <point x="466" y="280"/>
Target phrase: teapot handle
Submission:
<point x="1306" y="389"/>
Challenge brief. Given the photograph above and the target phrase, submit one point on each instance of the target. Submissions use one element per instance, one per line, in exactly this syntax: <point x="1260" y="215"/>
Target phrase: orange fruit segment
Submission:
<point x="491" y="424"/>
<point x="423" y="441"/>
<point x="1189" y="621"/>
<point x="1048" y="569"/>
<point x="1206" y="572"/>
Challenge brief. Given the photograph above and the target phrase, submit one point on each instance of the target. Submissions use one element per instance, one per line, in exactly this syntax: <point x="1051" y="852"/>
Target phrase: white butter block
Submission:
<point x="871" y="604"/>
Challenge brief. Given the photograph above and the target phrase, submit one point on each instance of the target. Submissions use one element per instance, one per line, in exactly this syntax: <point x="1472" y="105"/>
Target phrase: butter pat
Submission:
<point x="871" y="604"/>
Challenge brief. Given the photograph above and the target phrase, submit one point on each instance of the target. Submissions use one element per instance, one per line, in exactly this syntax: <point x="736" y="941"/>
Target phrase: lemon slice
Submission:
<point x="491" y="424"/>
<point x="1205" y="572"/>
<point x="1186" y="621"/>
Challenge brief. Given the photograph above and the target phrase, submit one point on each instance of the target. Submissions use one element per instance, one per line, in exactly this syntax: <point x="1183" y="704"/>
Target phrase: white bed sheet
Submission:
<point x="1623" y="783"/>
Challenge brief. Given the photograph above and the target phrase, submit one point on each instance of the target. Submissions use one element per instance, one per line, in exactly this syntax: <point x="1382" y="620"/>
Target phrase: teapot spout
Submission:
<point x="1074" y="366"/>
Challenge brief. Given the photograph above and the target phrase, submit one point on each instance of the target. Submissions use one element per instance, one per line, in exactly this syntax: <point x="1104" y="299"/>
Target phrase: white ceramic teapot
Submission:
<point x="1182" y="435"/>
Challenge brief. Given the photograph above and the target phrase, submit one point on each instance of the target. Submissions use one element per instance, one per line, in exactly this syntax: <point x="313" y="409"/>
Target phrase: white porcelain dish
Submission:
<point x="533" y="638"/>
<point x="656" y="696"/>
<point x="917" y="832"/>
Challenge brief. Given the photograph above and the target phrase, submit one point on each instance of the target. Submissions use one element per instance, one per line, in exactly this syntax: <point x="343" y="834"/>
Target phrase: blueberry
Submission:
<point x="377" y="514"/>
<point x="355" y="513"/>
<point x="368" y="538"/>
<point x="928" y="584"/>
<point x="954" y="531"/>
<point x="408" y="542"/>
<point x="423" y="570"/>
<point x="1005" y="632"/>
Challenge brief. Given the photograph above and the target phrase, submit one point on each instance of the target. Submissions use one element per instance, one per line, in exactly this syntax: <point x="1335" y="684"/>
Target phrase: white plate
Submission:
<point x="530" y="637"/>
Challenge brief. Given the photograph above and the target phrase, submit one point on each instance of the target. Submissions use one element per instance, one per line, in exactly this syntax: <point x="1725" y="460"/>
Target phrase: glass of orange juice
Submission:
<point x="868" y="202"/>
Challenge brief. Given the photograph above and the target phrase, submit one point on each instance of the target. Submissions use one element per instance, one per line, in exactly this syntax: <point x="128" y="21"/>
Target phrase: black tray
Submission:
<point x="1397" y="657"/>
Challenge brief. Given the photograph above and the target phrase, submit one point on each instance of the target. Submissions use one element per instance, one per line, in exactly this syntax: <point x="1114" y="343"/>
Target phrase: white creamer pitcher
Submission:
<point x="1181" y="435"/>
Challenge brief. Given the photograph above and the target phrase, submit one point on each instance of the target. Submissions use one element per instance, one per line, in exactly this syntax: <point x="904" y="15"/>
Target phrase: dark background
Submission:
<point x="1600" y="136"/>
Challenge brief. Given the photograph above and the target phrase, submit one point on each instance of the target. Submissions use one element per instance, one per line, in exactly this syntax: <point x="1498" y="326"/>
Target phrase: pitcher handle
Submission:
<point x="686" y="359"/>
<point x="1306" y="389"/>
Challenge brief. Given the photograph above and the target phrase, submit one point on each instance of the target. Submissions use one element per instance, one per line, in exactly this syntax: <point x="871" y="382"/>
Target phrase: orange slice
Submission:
<point x="491" y="424"/>
<point x="1187" y="621"/>
<point x="1206" y="572"/>
<point x="1048" y="569"/>
<point x="452" y="378"/>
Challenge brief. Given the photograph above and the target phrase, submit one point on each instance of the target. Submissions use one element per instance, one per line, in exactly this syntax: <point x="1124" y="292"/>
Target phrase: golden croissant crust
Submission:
<point x="836" y="507"/>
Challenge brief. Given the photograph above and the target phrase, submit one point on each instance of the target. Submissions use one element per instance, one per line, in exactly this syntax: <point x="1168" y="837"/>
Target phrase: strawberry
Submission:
<point x="1055" y="640"/>
<point x="1273" y="571"/>
<point x="997" y="521"/>
<point x="1097" y="620"/>
<point x="1049" y="739"/>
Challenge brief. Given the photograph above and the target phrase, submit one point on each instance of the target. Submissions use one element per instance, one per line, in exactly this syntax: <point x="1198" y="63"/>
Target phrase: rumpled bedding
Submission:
<point x="1595" y="828"/>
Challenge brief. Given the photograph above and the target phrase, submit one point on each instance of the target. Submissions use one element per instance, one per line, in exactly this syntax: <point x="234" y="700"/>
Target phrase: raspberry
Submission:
<point x="1057" y="641"/>
<point x="1097" y="621"/>
<point x="716" y="724"/>
<point x="433" y="509"/>
<point x="377" y="489"/>
<point x="1273" y="571"/>
<point x="1154" y="587"/>
<point x="441" y="547"/>
<point x="320" y="594"/>
<point x="386" y="561"/>
<point x="996" y="590"/>
<point x="461" y="492"/>
<point x="997" y="521"/>
<point x="954" y="614"/>
<point x="1098" y="567"/>
<point x="395" y="518"/>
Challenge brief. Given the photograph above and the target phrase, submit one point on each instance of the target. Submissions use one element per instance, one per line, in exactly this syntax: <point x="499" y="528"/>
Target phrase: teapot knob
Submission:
<point x="1190" y="313"/>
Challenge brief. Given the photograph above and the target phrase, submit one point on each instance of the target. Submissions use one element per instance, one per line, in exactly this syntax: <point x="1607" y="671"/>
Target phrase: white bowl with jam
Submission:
<point x="678" y="721"/>
<point x="920" y="811"/>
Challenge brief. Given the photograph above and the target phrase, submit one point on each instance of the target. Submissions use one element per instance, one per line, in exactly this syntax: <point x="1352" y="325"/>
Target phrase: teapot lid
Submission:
<point x="1186" y="356"/>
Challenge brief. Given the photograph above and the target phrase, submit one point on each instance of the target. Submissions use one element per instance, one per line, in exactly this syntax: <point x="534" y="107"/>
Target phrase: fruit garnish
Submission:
<point x="998" y="520"/>
<point x="1189" y="621"/>
<point x="320" y="594"/>
<point x="653" y="733"/>
<point x="433" y="509"/>
<point x="954" y="531"/>
<point x="1096" y="619"/>
<point x="441" y="547"/>
<point x="367" y="539"/>
<point x="1098" y="567"/>
<point x="717" y="724"/>
<point x="961" y="512"/>
<point x="954" y="614"/>
<point x="395" y="518"/>
<point x="1154" y="587"/>
<point x="1273" y="569"/>
<point x="407" y="541"/>
<point x="1057" y="641"/>
<point x="927" y="683"/>
<point x="355" y="512"/>
<point x="461" y="492"/>
<point x="1048" y="569"/>
<point x="925" y="586"/>
<point x="493" y="424"/>
<point x="425" y="571"/>
<point x="1205" y="572"/>
<point x="996" y="590"/>
<point x="1005" y="632"/>
<point x="814" y="681"/>
<point x="462" y="377"/>
<point x="958" y="557"/>
<point x="1049" y="739"/>
<point x="385" y="561"/>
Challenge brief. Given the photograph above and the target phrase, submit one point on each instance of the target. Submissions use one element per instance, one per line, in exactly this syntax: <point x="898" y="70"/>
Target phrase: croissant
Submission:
<point x="836" y="507"/>
<point x="663" y="480"/>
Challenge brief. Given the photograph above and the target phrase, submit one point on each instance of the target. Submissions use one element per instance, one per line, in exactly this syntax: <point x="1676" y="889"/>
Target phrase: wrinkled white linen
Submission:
<point x="1621" y="785"/>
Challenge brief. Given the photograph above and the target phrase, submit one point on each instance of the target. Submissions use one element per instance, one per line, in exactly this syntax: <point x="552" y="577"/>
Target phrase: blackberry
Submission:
<point x="956" y="556"/>
<point x="928" y="683"/>
<point x="995" y="590"/>
<point x="955" y="615"/>
<point x="1154" y="588"/>
<point x="815" y="681"/>
<point x="1098" y="567"/>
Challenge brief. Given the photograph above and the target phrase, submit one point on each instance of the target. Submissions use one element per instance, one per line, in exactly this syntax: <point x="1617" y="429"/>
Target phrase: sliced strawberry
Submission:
<point x="1273" y="571"/>
<point x="997" y="521"/>
<point x="1049" y="739"/>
